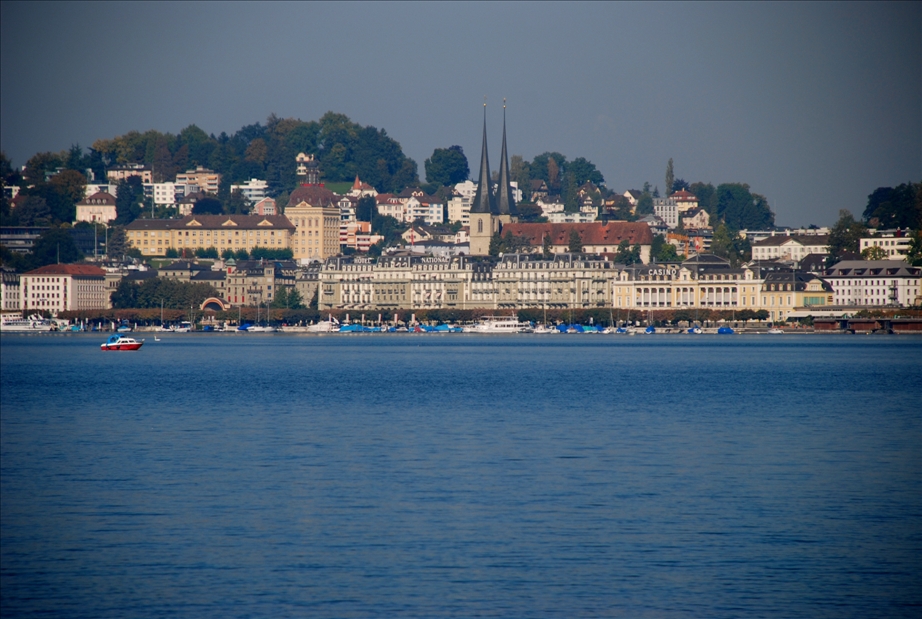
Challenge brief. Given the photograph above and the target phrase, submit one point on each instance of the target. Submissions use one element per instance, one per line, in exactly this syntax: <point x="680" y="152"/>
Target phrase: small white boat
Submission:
<point x="327" y="326"/>
<point x="261" y="329"/>
<point x="775" y="331"/>
<point x="500" y="324"/>
<point x="121" y="342"/>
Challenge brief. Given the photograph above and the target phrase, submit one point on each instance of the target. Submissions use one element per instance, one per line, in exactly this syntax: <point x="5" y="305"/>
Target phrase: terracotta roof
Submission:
<point x="595" y="233"/>
<point x="684" y="196"/>
<point x="86" y="270"/>
<point x="315" y="195"/>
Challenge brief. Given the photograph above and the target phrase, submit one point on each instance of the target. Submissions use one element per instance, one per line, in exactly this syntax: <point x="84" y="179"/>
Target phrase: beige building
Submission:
<point x="154" y="236"/>
<point x="684" y="200"/>
<point x="564" y="281"/>
<point x="120" y="173"/>
<point x="315" y="218"/>
<point x="64" y="287"/>
<point x="99" y="208"/>
<point x="206" y="180"/>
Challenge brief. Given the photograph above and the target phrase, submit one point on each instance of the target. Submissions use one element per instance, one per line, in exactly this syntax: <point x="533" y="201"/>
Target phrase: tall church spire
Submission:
<point x="483" y="199"/>
<point x="505" y="202"/>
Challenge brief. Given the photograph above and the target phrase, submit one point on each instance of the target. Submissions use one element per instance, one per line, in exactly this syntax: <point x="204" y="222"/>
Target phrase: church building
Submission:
<point x="491" y="210"/>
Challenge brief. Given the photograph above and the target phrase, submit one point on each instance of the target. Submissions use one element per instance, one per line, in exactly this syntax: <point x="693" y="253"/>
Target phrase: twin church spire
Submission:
<point x="485" y="200"/>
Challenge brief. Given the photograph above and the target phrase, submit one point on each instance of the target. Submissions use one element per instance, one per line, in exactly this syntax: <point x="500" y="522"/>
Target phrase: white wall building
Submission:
<point x="91" y="188"/>
<point x="60" y="287"/>
<point x="459" y="211"/>
<point x="253" y="190"/>
<point x="895" y="247"/>
<point x="667" y="209"/>
<point x="562" y="217"/>
<point x="874" y="283"/>
<point x="789" y="247"/>
<point x="99" y="208"/>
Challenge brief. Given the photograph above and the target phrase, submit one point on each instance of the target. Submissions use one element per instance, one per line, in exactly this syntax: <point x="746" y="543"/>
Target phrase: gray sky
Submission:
<point x="813" y="105"/>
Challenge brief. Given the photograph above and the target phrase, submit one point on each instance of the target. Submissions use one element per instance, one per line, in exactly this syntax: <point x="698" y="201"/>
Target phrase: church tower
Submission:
<point x="505" y="202"/>
<point x="483" y="208"/>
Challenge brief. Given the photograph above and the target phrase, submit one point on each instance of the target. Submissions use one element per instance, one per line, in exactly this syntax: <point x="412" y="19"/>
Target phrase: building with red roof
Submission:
<point x="64" y="287"/>
<point x="597" y="237"/>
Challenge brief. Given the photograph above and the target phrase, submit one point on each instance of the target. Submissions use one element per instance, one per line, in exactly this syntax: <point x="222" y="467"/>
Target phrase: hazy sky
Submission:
<point x="813" y="105"/>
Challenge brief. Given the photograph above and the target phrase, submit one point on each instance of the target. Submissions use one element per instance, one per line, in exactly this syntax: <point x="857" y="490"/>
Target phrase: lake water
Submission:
<point x="461" y="476"/>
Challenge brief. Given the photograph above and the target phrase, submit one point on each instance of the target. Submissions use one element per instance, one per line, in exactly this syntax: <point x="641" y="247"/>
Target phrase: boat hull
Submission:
<point x="134" y="346"/>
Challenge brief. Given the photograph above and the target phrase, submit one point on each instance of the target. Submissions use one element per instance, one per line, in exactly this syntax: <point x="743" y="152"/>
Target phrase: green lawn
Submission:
<point x="339" y="188"/>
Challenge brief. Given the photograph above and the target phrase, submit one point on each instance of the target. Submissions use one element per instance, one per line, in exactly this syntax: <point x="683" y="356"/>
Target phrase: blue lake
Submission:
<point x="458" y="475"/>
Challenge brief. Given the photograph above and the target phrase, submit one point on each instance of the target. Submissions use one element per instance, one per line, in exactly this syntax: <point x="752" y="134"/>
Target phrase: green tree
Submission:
<point x="447" y="166"/>
<point x="914" y="253"/>
<point x="541" y="168"/>
<point x="125" y="295"/>
<point x="530" y="213"/>
<point x="547" y="247"/>
<point x="33" y="211"/>
<point x="116" y="242"/>
<point x="294" y="299"/>
<point x="129" y="194"/>
<point x="570" y="194"/>
<point x="496" y="245"/>
<point x="236" y="204"/>
<point x="576" y="242"/>
<point x="388" y="227"/>
<point x="520" y="172"/>
<point x="241" y="254"/>
<point x="366" y="208"/>
<point x="39" y="164"/>
<point x="207" y="252"/>
<point x="512" y="244"/>
<point x="207" y="206"/>
<point x="227" y="254"/>
<point x="741" y="209"/>
<point x="722" y="242"/>
<point x="645" y="204"/>
<point x="895" y="207"/>
<point x="667" y="253"/>
<point x="171" y="253"/>
<point x="55" y="245"/>
<point x="71" y="184"/>
<point x="845" y="236"/>
<point x="281" y="297"/>
<point x="874" y="253"/>
<point x="670" y="177"/>
<point x="706" y="194"/>
<point x="584" y="171"/>
<point x="628" y="255"/>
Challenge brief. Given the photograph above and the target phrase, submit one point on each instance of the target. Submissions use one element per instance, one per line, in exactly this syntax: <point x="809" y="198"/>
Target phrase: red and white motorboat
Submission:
<point x="120" y="342"/>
